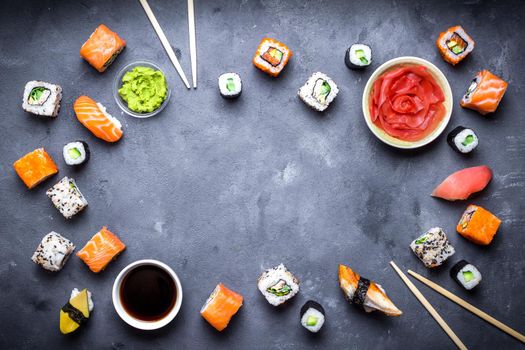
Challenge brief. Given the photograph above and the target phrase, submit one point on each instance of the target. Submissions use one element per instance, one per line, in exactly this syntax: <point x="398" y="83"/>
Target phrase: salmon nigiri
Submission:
<point x="365" y="293"/>
<point x="93" y="116"/>
<point x="102" y="47"/>
<point x="220" y="307"/>
<point x="101" y="249"/>
<point x="484" y="93"/>
<point x="462" y="183"/>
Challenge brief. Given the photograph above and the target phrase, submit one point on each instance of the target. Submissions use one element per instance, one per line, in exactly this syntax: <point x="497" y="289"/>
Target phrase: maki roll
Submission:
<point x="467" y="275"/>
<point x="35" y="167"/>
<point x="76" y="153"/>
<point x="484" y="93"/>
<point x="319" y="91"/>
<point x="271" y="56"/>
<point x="278" y="285"/>
<point x="432" y="247"/>
<point x="76" y="311"/>
<point x="358" y="56"/>
<point x="478" y="225"/>
<point x="221" y="306"/>
<point x="454" y="44"/>
<point x="67" y="198"/>
<point x="53" y="252"/>
<point x="101" y="249"/>
<point x="230" y="85"/>
<point x="312" y="316"/>
<point x="462" y="140"/>
<point x="102" y="47"/>
<point x="41" y="98"/>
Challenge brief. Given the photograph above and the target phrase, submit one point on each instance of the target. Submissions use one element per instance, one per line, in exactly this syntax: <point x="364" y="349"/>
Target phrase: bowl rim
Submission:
<point x="132" y="321"/>
<point x="117" y="83"/>
<point x="440" y="79"/>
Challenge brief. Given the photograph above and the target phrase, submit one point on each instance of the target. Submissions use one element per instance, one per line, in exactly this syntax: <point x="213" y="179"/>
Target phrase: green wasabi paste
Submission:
<point x="144" y="89"/>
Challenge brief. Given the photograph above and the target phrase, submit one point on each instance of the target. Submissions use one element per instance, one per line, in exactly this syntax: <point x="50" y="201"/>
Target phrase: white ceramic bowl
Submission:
<point x="134" y="322"/>
<point x="117" y="83"/>
<point x="440" y="79"/>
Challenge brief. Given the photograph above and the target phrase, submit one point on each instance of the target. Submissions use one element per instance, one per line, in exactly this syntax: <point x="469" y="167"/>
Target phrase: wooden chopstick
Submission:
<point x="193" y="46"/>
<point x="469" y="307"/>
<point x="164" y="41"/>
<point x="429" y="308"/>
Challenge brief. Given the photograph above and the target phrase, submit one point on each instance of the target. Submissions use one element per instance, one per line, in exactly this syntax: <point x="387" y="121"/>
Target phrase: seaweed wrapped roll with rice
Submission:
<point x="358" y="56"/>
<point x="53" y="251"/>
<point x="312" y="316"/>
<point x="76" y="153"/>
<point x="467" y="275"/>
<point x="319" y="91"/>
<point x="462" y="140"/>
<point x="67" y="198"/>
<point x="278" y="285"/>
<point x="41" y="98"/>
<point x="230" y="85"/>
<point x="432" y="247"/>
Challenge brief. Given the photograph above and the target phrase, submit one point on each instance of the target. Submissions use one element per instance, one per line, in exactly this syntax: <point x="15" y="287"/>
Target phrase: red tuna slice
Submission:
<point x="462" y="183"/>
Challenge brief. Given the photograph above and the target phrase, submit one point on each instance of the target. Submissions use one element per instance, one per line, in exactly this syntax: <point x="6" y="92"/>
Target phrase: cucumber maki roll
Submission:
<point x="76" y="153"/>
<point x="312" y="316"/>
<point x="462" y="140"/>
<point x="230" y="85"/>
<point x="467" y="275"/>
<point x="358" y="56"/>
<point x="41" y="98"/>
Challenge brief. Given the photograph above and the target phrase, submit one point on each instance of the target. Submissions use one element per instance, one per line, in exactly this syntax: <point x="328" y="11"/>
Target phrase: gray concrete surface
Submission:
<point x="220" y="189"/>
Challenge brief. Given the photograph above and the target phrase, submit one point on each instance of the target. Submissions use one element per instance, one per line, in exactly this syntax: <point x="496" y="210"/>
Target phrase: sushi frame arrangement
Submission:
<point x="142" y="90"/>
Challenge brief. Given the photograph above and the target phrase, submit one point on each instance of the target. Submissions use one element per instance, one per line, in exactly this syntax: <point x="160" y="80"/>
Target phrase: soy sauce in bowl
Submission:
<point x="148" y="293"/>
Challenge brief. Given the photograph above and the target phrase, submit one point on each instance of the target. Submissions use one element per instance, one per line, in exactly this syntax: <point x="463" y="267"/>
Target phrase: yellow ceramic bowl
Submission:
<point x="440" y="79"/>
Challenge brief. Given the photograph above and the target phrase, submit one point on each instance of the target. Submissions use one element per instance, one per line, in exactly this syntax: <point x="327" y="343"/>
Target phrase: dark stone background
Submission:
<point x="221" y="190"/>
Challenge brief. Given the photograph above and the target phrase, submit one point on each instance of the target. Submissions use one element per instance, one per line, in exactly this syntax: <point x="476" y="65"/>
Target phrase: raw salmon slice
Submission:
<point x="103" y="247"/>
<point x="102" y="47"/>
<point x="220" y="307"/>
<point x="94" y="117"/>
<point x="35" y="167"/>
<point x="461" y="184"/>
<point x="365" y="293"/>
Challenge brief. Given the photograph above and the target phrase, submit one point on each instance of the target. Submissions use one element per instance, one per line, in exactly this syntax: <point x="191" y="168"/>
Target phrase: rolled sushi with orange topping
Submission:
<point x="271" y="56"/>
<point x="221" y="306"/>
<point x="101" y="249"/>
<point x="35" y="167"/>
<point x="102" y="47"/>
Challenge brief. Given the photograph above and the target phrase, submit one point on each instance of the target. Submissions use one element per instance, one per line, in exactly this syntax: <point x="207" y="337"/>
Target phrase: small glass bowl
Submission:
<point x="117" y="84"/>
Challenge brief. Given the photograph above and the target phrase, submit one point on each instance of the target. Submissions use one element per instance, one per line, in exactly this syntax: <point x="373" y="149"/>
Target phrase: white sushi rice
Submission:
<point x="76" y="292"/>
<point x="307" y="92"/>
<point x="79" y="146"/>
<point x="461" y="137"/>
<point x="472" y="283"/>
<point x="271" y="277"/>
<point x="113" y="120"/>
<point x="353" y="57"/>
<point x="433" y="247"/>
<point x="67" y="198"/>
<point x="223" y="83"/>
<point x="312" y="312"/>
<point x="49" y="103"/>
<point x="53" y="252"/>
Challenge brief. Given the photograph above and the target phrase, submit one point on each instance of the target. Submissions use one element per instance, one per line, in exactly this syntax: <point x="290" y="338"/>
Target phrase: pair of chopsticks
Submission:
<point x="167" y="46"/>
<point x="455" y="299"/>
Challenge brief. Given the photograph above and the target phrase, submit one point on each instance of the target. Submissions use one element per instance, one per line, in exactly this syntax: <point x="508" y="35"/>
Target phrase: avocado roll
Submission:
<point x="76" y="153"/>
<point x="462" y="140"/>
<point x="230" y="85"/>
<point x="41" y="98"/>
<point x="278" y="285"/>
<point x="319" y="91"/>
<point x="312" y="316"/>
<point x="467" y="275"/>
<point x="358" y="56"/>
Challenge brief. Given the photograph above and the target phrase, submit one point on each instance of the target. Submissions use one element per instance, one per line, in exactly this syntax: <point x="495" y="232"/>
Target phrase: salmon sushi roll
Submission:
<point x="35" y="167"/>
<point x="221" y="306"/>
<point x="271" y="56"/>
<point x="478" y="225"/>
<point x="484" y="93"/>
<point x="101" y="249"/>
<point x="454" y="44"/>
<point x="94" y="116"/>
<point x="102" y="47"/>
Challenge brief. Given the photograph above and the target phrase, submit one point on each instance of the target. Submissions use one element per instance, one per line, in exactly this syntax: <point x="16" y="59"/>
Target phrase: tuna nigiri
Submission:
<point x="93" y="116"/>
<point x="35" y="167"/>
<point x="462" y="183"/>
<point x="101" y="249"/>
<point x="365" y="293"/>
<point x="220" y="307"/>
<point x="102" y="47"/>
<point x="484" y="93"/>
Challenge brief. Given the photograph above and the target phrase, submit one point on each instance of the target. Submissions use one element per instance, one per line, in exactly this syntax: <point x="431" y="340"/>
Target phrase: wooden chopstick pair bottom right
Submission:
<point x="469" y="307"/>
<point x="429" y="308"/>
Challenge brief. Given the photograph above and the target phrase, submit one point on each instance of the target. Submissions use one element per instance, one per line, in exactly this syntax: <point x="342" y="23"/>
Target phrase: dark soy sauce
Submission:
<point x="148" y="293"/>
